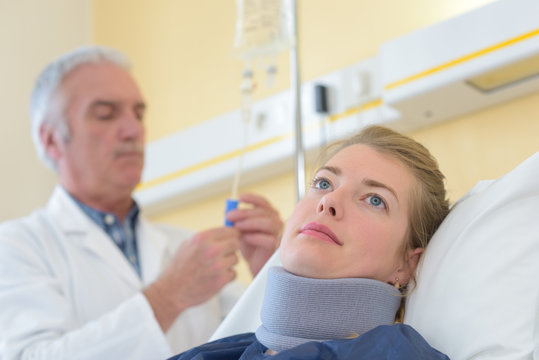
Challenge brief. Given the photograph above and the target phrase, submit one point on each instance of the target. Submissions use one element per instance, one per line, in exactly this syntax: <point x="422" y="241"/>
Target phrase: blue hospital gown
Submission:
<point x="394" y="342"/>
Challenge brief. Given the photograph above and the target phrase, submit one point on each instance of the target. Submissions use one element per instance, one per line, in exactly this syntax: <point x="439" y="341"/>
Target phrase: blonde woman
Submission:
<point x="349" y="252"/>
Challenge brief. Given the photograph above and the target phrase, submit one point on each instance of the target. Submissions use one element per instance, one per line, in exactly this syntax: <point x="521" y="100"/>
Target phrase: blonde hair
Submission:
<point x="429" y="205"/>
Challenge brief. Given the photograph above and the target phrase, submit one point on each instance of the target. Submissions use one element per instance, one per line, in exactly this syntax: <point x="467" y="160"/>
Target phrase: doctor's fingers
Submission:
<point x="256" y="201"/>
<point x="218" y="273"/>
<point x="247" y="213"/>
<point x="258" y="221"/>
<point x="260" y="240"/>
<point x="220" y="255"/>
<point x="224" y="263"/>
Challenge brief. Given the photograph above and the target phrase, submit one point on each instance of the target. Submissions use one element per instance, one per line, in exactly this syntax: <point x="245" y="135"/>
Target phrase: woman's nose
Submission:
<point x="329" y="205"/>
<point x="329" y="209"/>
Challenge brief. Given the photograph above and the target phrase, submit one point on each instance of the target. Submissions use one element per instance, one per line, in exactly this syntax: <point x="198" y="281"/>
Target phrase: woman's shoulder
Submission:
<point x="399" y="341"/>
<point x="393" y="342"/>
<point x="231" y="347"/>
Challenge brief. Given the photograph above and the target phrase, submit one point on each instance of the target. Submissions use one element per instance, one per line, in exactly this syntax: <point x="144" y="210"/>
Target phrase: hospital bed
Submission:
<point x="477" y="292"/>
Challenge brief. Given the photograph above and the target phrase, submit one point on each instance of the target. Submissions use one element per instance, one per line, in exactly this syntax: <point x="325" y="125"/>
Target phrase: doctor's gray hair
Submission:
<point x="49" y="81"/>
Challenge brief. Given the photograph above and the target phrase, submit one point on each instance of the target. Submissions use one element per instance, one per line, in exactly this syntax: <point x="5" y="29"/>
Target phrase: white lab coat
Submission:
<point x="68" y="292"/>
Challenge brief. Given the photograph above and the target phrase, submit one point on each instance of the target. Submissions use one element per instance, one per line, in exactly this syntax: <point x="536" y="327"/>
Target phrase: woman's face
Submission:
<point x="353" y="220"/>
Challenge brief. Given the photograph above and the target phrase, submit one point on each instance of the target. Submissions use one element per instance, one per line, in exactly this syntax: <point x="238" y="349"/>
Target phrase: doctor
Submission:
<point x="87" y="277"/>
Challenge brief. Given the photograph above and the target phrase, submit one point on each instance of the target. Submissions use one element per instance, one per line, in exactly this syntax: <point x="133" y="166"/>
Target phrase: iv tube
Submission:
<point x="247" y="87"/>
<point x="246" y="90"/>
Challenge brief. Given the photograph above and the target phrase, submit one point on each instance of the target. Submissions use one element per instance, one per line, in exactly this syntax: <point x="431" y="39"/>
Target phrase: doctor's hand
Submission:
<point x="198" y="270"/>
<point x="261" y="229"/>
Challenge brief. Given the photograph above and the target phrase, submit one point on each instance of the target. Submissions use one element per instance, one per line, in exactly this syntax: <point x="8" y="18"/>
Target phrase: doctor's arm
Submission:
<point x="199" y="269"/>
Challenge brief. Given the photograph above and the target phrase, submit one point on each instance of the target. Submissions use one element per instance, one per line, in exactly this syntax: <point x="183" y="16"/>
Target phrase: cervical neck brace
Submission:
<point x="297" y="309"/>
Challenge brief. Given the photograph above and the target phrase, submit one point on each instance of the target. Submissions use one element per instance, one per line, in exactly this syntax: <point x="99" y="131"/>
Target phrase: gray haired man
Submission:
<point x="86" y="276"/>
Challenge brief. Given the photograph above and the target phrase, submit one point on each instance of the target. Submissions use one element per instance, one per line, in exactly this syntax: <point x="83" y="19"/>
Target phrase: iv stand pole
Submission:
<point x="295" y="88"/>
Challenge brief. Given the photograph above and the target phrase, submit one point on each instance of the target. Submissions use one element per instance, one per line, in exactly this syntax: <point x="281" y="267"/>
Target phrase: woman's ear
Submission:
<point x="412" y="259"/>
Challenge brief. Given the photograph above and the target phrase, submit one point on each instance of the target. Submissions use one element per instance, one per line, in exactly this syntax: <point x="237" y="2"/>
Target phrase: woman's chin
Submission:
<point x="306" y="268"/>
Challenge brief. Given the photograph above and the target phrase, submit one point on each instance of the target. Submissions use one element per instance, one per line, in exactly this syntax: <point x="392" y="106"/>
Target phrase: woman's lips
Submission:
<point x="321" y="232"/>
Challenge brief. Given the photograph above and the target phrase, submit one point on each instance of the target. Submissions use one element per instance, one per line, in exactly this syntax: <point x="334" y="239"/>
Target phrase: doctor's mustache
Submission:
<point x="129" y="148"/>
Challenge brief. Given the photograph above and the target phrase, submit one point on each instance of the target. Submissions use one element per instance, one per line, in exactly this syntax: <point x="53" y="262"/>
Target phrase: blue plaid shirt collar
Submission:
<point x="122" y="234"/>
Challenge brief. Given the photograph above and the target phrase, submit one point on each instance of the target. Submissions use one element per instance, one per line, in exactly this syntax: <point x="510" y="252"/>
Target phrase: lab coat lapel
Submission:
<point x="153" y="249"/>
<point x="74" y="224"/>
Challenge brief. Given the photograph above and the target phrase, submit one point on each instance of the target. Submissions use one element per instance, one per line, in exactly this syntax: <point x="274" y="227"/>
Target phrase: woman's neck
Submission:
<point x="297" y="309"/>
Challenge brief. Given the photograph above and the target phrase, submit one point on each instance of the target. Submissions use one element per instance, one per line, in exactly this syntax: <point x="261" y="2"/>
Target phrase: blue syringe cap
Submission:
<point x="231" y="204"/>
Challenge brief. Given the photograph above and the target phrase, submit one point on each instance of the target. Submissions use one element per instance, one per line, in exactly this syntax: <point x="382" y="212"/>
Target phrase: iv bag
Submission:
<point x="263" y="28"/>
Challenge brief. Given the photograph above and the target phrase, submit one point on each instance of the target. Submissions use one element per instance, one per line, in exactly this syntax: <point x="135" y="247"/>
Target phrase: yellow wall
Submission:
<point x="183" y="55"/>
<point x="484" y="145"/>
<point x="182" y="52"/>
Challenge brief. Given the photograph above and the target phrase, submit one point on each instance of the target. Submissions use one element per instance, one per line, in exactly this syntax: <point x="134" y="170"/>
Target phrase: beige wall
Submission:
<point x="32" y="32"/>
<point x="182" y="55"/>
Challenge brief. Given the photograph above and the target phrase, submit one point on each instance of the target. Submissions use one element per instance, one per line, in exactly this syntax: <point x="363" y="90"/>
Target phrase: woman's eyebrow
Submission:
<point x="374" y="183"/>
<point x="332" y="169"/>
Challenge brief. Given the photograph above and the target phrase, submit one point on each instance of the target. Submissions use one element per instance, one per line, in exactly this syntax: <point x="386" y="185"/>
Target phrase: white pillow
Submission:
<point x="477" y="293"/>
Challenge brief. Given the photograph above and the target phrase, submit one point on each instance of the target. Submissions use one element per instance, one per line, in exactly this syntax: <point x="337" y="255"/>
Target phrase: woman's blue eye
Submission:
<point x="323" y="184"/>
<point x="376" y="201"/>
